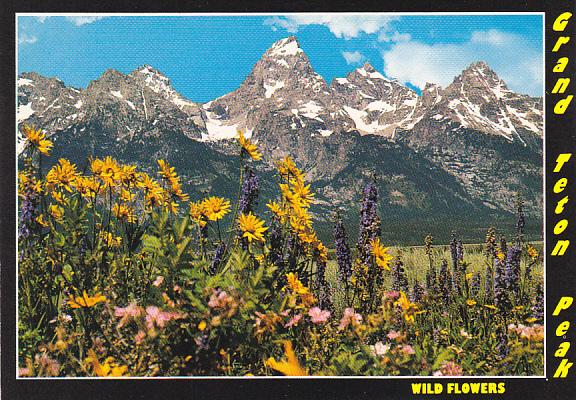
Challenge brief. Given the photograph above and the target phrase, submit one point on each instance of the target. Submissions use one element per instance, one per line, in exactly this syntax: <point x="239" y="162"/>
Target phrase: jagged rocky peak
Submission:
<point x="152" y="78"/>
<point x="284" y="48"/>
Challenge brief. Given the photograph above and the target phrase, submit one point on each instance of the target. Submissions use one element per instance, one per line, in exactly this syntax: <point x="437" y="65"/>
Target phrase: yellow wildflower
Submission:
<point x="124" y="213"/>
<point x="108" y="170"/>
<point x="202" y="325"/>
<point x="106" y="369"/>
<point x="532" y="252"/>
<point x="276" y="209"/>
<point x="409" y="309"/>
<point x="110" y="240"/>
<point x="215" y="208"/>
<point x="501" y="256"/>
<point x="85" y="301"/>
<point x="40" y="220"/>
<point x="252" y="228"/>
<point x="380" y="254"/>
<point x="62" y="174"/>
<point x="197" y="213"/>
<point x="289" y="367"/>
<point x="56" y="212"/>
<point x="249" y="147"/>
<point x="37" y="139"/>
<point x="471" y="302"/>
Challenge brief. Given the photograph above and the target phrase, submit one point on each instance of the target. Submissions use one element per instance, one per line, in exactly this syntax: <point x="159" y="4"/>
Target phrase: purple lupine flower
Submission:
<point x="431" y="285"/>
<point x="322" y="286"/>
<point x="249" y="193"/>
<point x="503" y="245"/>
<point x="369" y="221"/>
<point x="417" y="292"/>
<point x="454" y="253"/>
<point x="538" y="306"/>
<point x="460" y="251"/>
<point x="488" y="284"/>
<point x="502" y="345"/>
<point x="501" y="298"/>
<point x="27" y="215"/>
<point x="217" y="260"/>
<point x="475" y="285"/>
<point x="513" y="270"/>
<point x="342" y="251"/>
<point x="275" y="254"/>
<point x="445" y="282"/>
<point x="399" y="280"/>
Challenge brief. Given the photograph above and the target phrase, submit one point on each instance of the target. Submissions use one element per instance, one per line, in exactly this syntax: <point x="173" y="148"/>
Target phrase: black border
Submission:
<point x="561" y="279"/>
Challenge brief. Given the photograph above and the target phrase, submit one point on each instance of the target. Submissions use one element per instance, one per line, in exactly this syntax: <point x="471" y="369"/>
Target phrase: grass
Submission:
<point x="416" y="263"/>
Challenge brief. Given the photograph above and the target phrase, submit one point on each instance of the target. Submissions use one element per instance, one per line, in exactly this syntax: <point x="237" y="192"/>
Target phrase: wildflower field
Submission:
<point x="120" y="273"/>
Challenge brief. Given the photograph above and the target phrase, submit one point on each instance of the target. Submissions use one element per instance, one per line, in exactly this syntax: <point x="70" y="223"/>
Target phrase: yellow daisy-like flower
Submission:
<point x="249" y="147"/>
<point x="380" y="254"/>
<point x="276" y="209"/>
<point x="62" y="175"/>
<point x="108" y="368"/>
<point x="124" y="213"/>
<point x="471" y="302"/>
<point x="491" y="307"/>
<point x="37" y="139"/>
<point x="197" y="213"/>
<point x="40" y="220"/>
<point x="215" y="208"/>
<point x="289" y="367"/>
<point x="85" y="301"/>
<point x="56" y="212"/>
<point x="108" y="170"/>
<point x="322" y="252"/>
<point x="252" y="228"/>
<point x="532" y="252"/>
<point x="409" y="309"/>
<point x="169" y="174"/>
<point x="501" y="256"/>
<point x="110" y="240"/>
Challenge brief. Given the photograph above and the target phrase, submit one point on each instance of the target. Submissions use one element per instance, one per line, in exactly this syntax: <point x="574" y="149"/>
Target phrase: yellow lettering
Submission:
<point x="562" y="105"/>
<point x="560" y="248"/>
<point x="564" y="304"/>
<point x="561" y="40"/>
<point x="560" y="206"/>
<point x="560" y="226"/>
<point x="561" y="22"/>
<point x="562" y="370"/>
<point x="561" y="64"/>
<point x="561" y="160"/>
<point x="562" y="349"/>
<point x="560" y="185"/>
<point x="561" y="85"/>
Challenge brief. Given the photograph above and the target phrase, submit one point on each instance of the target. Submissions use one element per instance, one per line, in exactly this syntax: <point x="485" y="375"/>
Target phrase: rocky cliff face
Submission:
<point x="466" y="148"/>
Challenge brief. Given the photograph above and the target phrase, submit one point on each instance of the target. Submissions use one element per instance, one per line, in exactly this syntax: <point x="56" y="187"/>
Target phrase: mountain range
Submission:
<point x="443" y="159"/>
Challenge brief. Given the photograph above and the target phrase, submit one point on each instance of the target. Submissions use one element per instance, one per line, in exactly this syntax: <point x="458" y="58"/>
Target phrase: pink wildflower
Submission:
<point x="293" y="321"/>
<point x="158" y="281"/>
<point x="393" y="335"/>
<point x="140" y="336"/>
<point x="159" y="318"/>
<point x="449" y="368"/>
<point x="407" y="349"/>
<point x="349" y="317"/>
<point x="318" y="316"/>
<point x="130" y="311"/>
<point x="219" y="299"/>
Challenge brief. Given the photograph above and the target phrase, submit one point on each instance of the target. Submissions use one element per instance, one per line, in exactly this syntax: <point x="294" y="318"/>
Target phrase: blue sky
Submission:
<point x="209" y="56"/>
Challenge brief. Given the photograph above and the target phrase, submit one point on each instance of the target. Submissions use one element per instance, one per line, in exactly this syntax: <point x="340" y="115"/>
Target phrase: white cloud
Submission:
<point x="493" y="37"/>
<point x="517" y="62"/>
<point x="27" y="39"/>
<point x="353" y="57"/>
<point x="342" y="26"/>
<point x="42" y="18"/>
<point x="394" y="37"/>
<point x="83" y="20"/>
